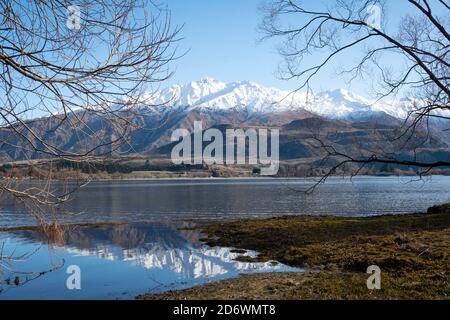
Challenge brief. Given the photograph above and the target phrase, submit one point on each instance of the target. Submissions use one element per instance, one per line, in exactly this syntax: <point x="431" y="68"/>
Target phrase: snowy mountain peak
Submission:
<point x="343" y="95"/>
<point x="209" y="94"/>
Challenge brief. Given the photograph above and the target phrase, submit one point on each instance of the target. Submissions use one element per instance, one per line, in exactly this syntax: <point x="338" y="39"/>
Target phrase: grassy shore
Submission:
<point x="413" y="252"/>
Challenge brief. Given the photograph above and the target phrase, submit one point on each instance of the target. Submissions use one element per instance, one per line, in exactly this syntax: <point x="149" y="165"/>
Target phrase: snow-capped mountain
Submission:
<point x="342" y="104"/>
<point x="209" y="94"/>
<point x="218" y="104"/>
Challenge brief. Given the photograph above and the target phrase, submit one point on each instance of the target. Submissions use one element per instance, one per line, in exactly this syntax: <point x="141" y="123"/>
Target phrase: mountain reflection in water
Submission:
<point x="121" y="261"/>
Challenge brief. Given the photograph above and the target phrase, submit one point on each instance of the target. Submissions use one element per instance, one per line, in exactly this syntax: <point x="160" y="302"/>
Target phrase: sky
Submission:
<point x="221" y="40"/>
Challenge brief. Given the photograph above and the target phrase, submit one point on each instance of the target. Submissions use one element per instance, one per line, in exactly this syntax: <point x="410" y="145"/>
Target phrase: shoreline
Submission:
<point x="65" y="226"/>
<point x="343" y="177"/>
<point x="411" y="250"/>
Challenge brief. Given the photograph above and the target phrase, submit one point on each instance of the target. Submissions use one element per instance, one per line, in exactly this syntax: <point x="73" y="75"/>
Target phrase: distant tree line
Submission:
<point x="92" y="167"/>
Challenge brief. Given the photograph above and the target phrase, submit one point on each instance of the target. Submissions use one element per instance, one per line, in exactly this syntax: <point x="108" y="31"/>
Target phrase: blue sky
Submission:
<point x="221" y="36"/>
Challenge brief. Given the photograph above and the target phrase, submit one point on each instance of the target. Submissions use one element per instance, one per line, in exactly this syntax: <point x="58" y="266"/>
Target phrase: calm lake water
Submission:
<point x="150" y="253"/>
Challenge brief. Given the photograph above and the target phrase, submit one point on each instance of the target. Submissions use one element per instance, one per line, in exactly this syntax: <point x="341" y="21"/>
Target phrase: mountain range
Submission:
<point x="209" y="94"/>
<point x="354" y="124"/>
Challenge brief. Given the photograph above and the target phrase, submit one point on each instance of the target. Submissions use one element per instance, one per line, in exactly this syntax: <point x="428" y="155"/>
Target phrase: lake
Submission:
<point x="152" y="249"/>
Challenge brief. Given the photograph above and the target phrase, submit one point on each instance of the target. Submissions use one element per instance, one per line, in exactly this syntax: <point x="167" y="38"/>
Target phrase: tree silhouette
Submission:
<point x="63" y="63"/>
<point x="422" y="41"/>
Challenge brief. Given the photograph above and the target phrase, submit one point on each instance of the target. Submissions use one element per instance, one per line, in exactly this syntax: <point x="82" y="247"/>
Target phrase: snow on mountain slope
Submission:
<point x="342" y="104"/>
<point x="209" y="94"/>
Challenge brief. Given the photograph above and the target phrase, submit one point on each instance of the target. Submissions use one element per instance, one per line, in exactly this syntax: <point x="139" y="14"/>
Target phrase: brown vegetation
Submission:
<point x="411" y="250"/>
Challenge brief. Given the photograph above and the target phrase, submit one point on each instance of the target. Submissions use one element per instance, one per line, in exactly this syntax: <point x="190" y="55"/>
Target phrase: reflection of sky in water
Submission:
<point x="122" y="262"/>
<point x="139" y="201"/>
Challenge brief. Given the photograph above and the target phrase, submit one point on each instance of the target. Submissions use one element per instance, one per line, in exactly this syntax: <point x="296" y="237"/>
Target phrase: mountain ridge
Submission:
<point x="340" y="117"/>
<point x="211" y="94"/>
